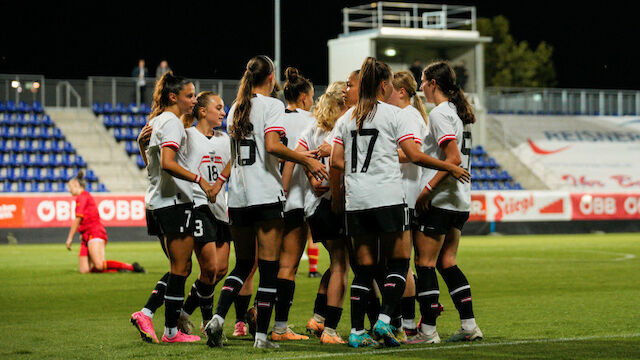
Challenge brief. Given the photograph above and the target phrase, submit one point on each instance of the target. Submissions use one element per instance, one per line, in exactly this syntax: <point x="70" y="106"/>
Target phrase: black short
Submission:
<point x="324" y="224"/>
<point x="250" y="215"/>
<point x="437" y="221"/>
<point x="208" y="228"/>
<point x="175" y="219"/>
<point x="153" y="229"/>
<point x="293" y="219"/>
<point x="386" y="219"/>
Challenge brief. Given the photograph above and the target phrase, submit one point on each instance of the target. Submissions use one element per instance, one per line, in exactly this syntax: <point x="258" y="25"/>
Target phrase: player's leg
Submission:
<point x="201" y="294"/>
<point x="459" y="288"/>
<point x="336" y="289"/>
<point x="245" y="315"/>
<point x="96" y="254"/>
<point x="408" y="305"/>
<point x="365" y="256"/>
<point x="83" y="259"/>
<point x="313" y="253"/>
<point x="315" y="325"/>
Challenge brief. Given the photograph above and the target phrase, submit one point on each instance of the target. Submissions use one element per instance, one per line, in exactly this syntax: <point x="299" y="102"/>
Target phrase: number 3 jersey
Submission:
<point x="295" y="123"/>
<point x="444" y="124"/>
<point x="207" y="157"/>
<point x="372" y="169"/>
<point x="255" y="176"/>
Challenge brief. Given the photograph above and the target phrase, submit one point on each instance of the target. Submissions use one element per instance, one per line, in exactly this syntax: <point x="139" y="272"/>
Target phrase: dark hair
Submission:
<point x="202" y="102"/>
<point x="257" y="71"/>
<point x="295" y="84"/>
<point x="167" y="84"/>
<point x="80" y="179"/>
<point x="372" y="73"/>
<point x="445" y="77"/>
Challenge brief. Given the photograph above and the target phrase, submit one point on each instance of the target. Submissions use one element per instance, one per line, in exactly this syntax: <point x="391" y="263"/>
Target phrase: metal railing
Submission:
<point x="68" y="92"/>
<point x="407" y="15"/>
<point x="552" y="101"/>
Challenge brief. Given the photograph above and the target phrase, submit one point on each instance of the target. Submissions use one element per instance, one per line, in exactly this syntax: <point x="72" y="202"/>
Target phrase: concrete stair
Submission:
<point x="103" y="154"/>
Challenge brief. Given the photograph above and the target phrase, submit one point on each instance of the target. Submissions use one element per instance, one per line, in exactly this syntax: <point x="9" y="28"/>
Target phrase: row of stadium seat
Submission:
<point x="21" y="106"/>
<point x="36" y="146"/>
<point x="116" y="121"/>
<point x="42" y="174"/>
<point x="20" y="119"/>
<point x="30" y="132"/>
<point x="60" y="186"/>
<point x="495" y="185"/>
<point x="559" y="112"/>
<point x="42" y="160"/>
<point x="120" y="108"/>
<point x="491" y="175"/>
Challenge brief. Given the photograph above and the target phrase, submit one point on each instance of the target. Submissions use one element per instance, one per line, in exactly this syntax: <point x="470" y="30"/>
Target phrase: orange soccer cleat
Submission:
<point x="314" y="327"/>
<point x="287" y="335"/>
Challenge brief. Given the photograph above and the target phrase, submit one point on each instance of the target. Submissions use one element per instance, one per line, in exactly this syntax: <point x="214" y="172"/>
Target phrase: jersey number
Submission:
<point x="212" y="171"/>
<point x="246" y="147"/>
<point x="466" y="149"/>
<point x="199" y="228"/>
<point x="354" y="148"/>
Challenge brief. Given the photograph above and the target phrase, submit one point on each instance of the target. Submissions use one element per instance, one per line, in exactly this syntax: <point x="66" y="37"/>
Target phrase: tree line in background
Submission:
<point x="511" y="63"/>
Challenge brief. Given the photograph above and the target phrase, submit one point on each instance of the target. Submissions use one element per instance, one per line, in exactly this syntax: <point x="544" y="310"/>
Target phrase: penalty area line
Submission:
<point x="458" y="346"/>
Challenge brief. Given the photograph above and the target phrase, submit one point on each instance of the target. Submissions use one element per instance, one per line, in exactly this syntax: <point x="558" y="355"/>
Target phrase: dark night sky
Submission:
<point x="214" y="39"/>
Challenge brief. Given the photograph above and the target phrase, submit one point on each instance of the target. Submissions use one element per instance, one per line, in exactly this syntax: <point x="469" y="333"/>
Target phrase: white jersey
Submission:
<point x="311" y="139"/>
<point x="412" y="173"/>
<point x="295" y="123"/>
<point x="372" y="170"/>
<point x="207" y="157"/>
<point x="444" y="124"/>
<point x="255" y="175"/>
<point x="165" y="190"/>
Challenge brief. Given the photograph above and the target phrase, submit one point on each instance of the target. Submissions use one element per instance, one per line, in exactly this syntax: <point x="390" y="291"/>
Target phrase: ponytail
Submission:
<point x="202" y="101"/>
<point x="257" y="71"/>
<point x="167" y="84"/>
<point x="405" y="80"/>
<point x="445" y="77"/>
<point x="294" y="85"/>
<point x="372" y="73"/>
<point x="80" y="179"/>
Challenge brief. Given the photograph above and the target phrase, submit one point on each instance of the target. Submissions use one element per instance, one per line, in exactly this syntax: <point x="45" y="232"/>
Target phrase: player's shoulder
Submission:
<point x="220" y="135"/>
<point x="270" y="102"/>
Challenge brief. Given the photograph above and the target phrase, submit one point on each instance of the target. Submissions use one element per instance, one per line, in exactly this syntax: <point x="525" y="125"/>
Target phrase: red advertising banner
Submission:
<point x="603" y="206"/>
<point x="478" y="207"/>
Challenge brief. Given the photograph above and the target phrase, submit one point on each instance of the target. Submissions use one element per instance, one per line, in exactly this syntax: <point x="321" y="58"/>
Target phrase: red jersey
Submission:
<point x="90" y="225"/>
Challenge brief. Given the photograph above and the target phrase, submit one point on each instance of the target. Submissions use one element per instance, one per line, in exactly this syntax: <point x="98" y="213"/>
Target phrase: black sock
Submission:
<point x="428" y="294"/>
<point x="173" y="299"/>
<point x="232" y="285"/>
<point x="320" y="306"/>
<point x="241" y="304"/>
<point x="333" y="317"/>
<point x="408" y="305"/>
<point x="284" y="300"/>
<point x="266" y="295"/>
<point x="394" y="285"/>
<point x="205" y="300"/>
<point x="459" y="290"/>
<point x="191" y="303"/>
<point x="396" y="319"/>
<point x="156" y="299"/>
<point x="360" y="293"/>
<point x="373" y="307"/>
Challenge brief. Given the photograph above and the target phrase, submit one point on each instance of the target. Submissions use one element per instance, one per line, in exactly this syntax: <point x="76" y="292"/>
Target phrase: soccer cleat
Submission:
<point x="214" y="333"/>
<point x="138" y="268"/>
<point x="180" y="337"/>
<point x="331" y="339"/>
<point x="466" y="335"/>
<point x="410" y="332"/>
<point x="314" y="274"/>
<point x="240" y="329"/>
<point x="385" y="332"/>
<point x="250" y="319"/>
<point x="184" y="324"/>
<point x="314" y="327"/>
<point x="287" y="335"/>
<point x="265" y="344"/>
<point x="144" y="324"/>
<point x="362" y="340"/>
<point x="399" y="334"/>
<point x="422" y="338"/>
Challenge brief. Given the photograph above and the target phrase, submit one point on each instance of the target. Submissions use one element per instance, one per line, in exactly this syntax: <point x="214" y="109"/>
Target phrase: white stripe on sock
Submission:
<point x="162" y="283"/>
<point x="236" y="279"/>
<point x="267" y="290"/>
<point x="460" y="289"/>
<point x="430" y="292"/>
<point x="396" y="275"/>
<point x="359" y="287"/>
<point x="176" y="298"/>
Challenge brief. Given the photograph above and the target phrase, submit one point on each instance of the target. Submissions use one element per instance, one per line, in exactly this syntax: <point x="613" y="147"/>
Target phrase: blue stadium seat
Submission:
<point x="79" y="162"/>
<point x="21" y="120"/>
<point x="20" y="187"/>
<point x="37" y="108"/>
<point x="131" y="108"/>
<point x="47" y="187"/>
<point x="57" y="133"/>
<point x="60" y="186"/>
<point x="97" y="108"/>
<point x="120" y="108"/>
<point x="46" y="120"/>
<point x="144" y="109"/>
<point x="90" y="176"/>
<point x="107" y="108"/>
<point x="24" y="107"/>
<point x="2" y="107"/>
<point x="48" y="175"/>
<point x="68" y="148"/>
<point x="107" y="121"/>
<point x="10" y="106"/>
<point x="89" y="187"/>
<point x="101" y="188"/>
<point x="117" y="121"/>
<point x="65" y="160"/>
<point x="6" y="186"/>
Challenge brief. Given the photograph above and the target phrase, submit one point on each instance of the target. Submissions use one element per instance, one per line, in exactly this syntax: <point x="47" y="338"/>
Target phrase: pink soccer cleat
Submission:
<point x="144" y="324"/>
<point x="180" y="337"/>
<point x="240" y="329"/>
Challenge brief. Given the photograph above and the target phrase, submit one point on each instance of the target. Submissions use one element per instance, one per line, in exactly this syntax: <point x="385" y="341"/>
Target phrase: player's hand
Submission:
<point x="145" y="135"/>
<point x="310" y="154"/>
<point x="422" y="204"/>
<point x="217" y="186"/>
<point x="459" y="173"/>
<point x="317" y="187"/>
<point x="208" y="189"/>
<point x="316" y="168"/>
<point x="68" y="243"/>
<point x="324" y="150"/>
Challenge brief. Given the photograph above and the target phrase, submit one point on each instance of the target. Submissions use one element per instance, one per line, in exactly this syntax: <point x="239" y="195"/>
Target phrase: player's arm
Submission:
<point x="451" y="164"/>
<point x="337" y="191"/>
<point x="223" y="177"/>
<point x="274" y="147"/>
<point x="287" y="172"/>
<point x="452" y="156"/>
<point x="143" y="142"/>
<point x="72" y="231"/>
<point x="169" y="164"/>
<point x="337" y="155"/>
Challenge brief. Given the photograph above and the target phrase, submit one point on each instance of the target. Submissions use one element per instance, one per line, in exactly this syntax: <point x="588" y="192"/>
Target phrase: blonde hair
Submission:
<point x="202" y="102"/>
<point x="405" y="80"/>
<point x="330" y="105"/>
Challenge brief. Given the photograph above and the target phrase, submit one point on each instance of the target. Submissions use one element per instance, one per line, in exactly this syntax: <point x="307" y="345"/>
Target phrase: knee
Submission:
<point x="221" y="272"/>
<point x="84" y="271"/>
<point x="446" y="261"/>
<point x="243" y="268"/>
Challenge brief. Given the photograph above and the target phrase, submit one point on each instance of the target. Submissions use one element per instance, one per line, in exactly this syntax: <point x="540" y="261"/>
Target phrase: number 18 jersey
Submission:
<point x="255" y="176"/>
<point x="372" y="170"/>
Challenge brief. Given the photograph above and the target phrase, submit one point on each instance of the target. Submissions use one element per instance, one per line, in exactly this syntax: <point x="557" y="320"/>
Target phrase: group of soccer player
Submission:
<point x="367" y="174"/>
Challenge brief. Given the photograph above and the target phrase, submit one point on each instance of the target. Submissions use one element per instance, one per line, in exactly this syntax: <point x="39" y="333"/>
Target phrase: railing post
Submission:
<point x="473" y="18"/>
<point x="637" y="103"/>
<point x="58" y="95"/>
<point x="583" y="102"/>
<point x="345" y="20"/>
<point x="601" y="103"/>
<point x="380" y="21"/>
<point x="620" y="105"/>
<point x="220" y="88"/>
<point x="68" y="93"/>
<point x="565" y="100"/>
<point x="444" y="17"/>
<point x="197" y="86"/>
<point x="416" y="20"/>
<point x="42" y="92"/>
<point x="90" y="91"/>
<point x="113" y="91"/>
<point x="17" y="92"/>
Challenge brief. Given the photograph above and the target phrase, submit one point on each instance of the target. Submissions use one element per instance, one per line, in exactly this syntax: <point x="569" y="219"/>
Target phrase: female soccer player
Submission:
<point x="443" y="206"/>
<point x="92" y="232"/>
<point x="208" y="152"/>
<point x="366" y="140"/>
<point x="170" y="197"/>
<point x="256" y="194"/>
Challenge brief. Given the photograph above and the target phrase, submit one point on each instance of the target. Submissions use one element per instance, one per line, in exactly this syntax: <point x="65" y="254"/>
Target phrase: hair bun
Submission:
<point x="291" y="74"/>
<point x="80" y="175"/>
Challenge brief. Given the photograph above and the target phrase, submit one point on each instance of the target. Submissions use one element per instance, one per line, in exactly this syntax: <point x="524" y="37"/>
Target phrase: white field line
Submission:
<point x="458" y="346"/>
<point x="620" y="256"/>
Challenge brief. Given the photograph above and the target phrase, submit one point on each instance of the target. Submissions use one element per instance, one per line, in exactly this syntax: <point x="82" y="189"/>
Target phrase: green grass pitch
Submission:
<point x="537" y="297"/>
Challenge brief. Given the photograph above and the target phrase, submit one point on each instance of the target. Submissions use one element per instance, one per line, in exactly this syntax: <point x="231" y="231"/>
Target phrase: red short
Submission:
<point x="84" y="248"/>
